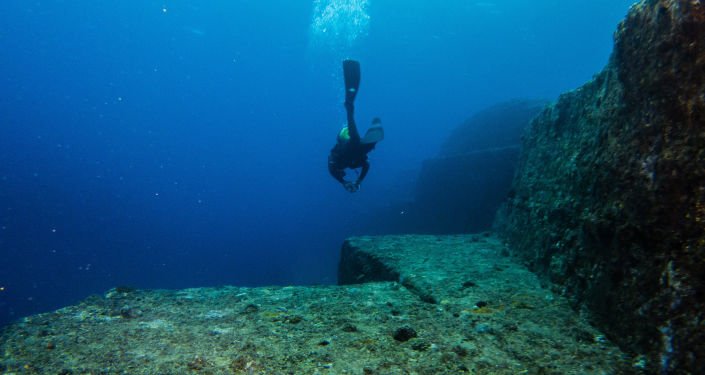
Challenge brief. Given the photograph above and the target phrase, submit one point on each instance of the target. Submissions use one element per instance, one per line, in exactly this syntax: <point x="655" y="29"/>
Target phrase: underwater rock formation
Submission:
<point x="496" y="127"/>
<point x="491" y="316"/>
<point x="609" y="197"/>
<point x="461" y="194"/>
<point x="460" y="190"/>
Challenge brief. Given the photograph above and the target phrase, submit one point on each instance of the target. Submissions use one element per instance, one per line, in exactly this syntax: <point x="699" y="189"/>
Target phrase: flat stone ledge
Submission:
<point x="489" y="316"/>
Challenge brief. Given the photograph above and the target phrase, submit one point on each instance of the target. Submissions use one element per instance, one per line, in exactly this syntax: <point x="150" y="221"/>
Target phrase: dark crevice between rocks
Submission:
<point x="357" y="267"/>
<point x="419" y="288"/>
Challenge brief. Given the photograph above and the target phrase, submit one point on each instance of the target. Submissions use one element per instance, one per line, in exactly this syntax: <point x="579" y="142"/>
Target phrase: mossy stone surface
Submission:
<point x="609" y="197"/>
<point x="490" y="316"/>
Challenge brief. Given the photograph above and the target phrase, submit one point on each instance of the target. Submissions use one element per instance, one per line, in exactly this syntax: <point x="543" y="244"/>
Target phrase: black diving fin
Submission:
<point x="351" y="72"/>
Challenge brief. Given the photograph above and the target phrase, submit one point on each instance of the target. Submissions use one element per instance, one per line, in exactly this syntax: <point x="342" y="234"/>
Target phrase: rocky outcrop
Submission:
<point x="609" y="197"/>
<point x="461" y="193"/>
<point x="434" y="268"/>
<point x="491" y="317"/>
<point x="496" y="127"/>
<point x="460" y="190"/>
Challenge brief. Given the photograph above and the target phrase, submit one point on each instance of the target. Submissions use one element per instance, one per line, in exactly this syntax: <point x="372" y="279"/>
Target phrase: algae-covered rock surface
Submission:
<point x="609" y="197"/>
<point x="456" y="305"/>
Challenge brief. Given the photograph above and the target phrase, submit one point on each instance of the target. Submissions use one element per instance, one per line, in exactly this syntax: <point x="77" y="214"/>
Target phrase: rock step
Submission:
<point x="488" y="316"/>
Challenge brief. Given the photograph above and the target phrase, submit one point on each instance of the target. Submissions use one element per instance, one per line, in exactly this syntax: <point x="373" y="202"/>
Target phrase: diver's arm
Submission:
<point x="363" y="173"/>
<point x="338" y="174"/>
<point x="352" y="127"/>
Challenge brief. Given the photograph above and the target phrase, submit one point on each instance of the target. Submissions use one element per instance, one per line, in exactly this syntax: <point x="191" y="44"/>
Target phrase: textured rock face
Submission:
<point x="460" y="190"/>
<point x="492" y="317"/>
<point x="609" y="197"/>
<point x="461" y="194"/>
<point x="498" y="126"/>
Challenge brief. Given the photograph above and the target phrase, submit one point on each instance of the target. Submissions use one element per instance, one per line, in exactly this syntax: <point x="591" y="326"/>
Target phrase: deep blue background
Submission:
<point x="171" y="144"/>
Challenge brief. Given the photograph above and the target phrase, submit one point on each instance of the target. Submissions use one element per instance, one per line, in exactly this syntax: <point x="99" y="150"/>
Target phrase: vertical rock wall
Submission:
<point x="609" y="197"/>
<point x="460" y="190"/>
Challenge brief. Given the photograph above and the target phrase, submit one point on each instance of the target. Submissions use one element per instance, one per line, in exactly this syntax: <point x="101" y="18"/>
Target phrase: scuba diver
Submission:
<point x="351" y="151"/>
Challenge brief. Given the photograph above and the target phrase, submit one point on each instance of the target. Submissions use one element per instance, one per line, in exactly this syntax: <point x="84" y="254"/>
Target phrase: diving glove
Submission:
<point x="352" y="186"/>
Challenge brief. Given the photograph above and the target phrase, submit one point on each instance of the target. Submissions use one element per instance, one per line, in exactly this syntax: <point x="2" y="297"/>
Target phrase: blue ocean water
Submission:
<point x="172" y="144"/>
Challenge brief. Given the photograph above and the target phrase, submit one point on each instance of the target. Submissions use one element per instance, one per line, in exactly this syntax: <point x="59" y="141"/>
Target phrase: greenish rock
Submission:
<point x="364" y="328"/>
<point x="609" y="197"/>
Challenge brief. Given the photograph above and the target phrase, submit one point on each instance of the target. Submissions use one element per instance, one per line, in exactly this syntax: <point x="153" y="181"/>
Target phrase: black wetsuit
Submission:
<point x="349" y="154"/>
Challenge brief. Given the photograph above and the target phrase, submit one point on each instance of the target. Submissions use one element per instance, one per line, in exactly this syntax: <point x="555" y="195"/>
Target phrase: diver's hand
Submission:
<point x="351" y="187"/>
